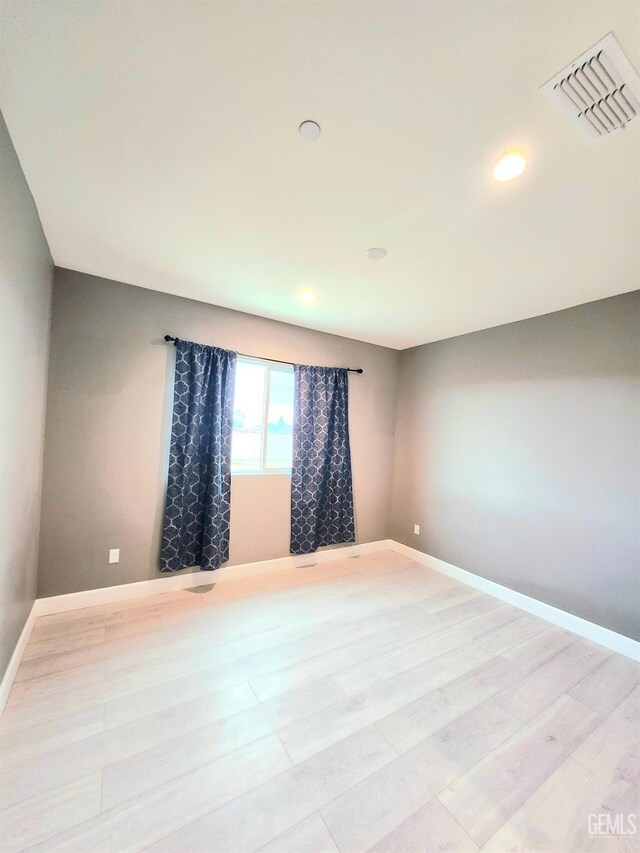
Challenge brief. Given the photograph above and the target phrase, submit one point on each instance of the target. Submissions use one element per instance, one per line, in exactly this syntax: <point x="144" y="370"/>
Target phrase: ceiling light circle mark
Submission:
<point x="310" y="130"/>
<point x="510" y="166"/>
<point x="377" y="253"/>
<point x="306" y="297"/>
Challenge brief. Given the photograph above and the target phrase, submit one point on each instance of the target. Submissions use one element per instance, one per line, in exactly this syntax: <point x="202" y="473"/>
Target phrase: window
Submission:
<point x="262" y="418"/>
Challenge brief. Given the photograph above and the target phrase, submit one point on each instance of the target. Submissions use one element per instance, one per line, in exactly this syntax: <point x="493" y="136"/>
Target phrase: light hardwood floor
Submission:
<point x="364" y="704"/>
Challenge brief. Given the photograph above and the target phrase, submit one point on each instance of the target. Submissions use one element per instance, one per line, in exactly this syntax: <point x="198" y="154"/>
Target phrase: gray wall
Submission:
<point x="108" y="423"/>
<point x="26" y="271"/>
<point x="518" y="453"/>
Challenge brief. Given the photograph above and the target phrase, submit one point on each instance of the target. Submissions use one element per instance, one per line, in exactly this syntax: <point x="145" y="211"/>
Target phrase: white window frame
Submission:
<point x="270" y="367"/>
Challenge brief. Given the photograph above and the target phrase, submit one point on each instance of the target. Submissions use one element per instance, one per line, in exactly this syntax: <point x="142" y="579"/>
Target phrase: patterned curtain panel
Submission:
<point x="321" y="484"/>
<point x="196" y="523"/>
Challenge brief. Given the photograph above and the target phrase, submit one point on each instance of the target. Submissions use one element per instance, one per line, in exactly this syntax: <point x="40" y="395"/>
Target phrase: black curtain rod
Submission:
<point x="275" y="360"/>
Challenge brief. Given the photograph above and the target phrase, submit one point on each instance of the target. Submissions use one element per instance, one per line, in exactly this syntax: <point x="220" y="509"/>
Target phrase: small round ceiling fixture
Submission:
<point x="306" y="297"/>
<point x="511" y="166"/>
<point x="310" y="130"/>
<point x="376" y="253"/>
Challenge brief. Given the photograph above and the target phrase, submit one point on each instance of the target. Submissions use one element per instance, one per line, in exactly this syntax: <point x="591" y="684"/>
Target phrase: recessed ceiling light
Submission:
<point x="307" y="297"/>
<point x="376" y="254"/>
<point x="511" y="166"/>
<point x="309" y="130"/>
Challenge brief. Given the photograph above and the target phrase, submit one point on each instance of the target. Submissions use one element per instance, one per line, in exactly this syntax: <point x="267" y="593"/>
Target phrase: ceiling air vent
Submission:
<point x="599" y="92"/>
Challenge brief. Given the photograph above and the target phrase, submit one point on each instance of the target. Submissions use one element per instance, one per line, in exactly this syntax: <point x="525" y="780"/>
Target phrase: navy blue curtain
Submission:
<point x="196" y="522"/>
<point x="321" y="482"/>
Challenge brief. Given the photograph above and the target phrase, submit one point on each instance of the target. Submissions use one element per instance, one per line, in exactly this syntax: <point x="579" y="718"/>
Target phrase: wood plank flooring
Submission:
<point x="364" y="704"/>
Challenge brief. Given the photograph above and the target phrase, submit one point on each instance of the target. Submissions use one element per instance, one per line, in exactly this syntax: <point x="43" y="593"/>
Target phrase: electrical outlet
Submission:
<point x="114" y="555"/>
<point x="416" y="529"/>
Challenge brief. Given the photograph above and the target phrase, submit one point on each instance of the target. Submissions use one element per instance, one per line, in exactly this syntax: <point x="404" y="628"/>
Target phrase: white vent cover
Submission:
<point x="599" y="91"/>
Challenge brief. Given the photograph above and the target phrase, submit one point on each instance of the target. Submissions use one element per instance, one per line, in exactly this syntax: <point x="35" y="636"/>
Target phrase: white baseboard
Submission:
<point x="169" y="583"/>
<point x="188" y="580"/>
<point x="596" y="633"/>
<point x="16" y="657"/>
<point x="90" y="598"/>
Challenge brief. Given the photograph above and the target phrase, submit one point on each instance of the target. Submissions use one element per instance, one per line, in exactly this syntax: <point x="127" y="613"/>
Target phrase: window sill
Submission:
<point x="261" y="473"/>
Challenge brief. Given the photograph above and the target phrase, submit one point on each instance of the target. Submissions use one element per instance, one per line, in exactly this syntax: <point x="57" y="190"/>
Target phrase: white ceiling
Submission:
<point x="160" y="142"/>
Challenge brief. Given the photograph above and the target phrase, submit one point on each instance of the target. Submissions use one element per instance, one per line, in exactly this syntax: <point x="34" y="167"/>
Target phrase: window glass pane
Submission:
<point x="280" y="419"/>
<point x="248" y="414"/>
